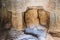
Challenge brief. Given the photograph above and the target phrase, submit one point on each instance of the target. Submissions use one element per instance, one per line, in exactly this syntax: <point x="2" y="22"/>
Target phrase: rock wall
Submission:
<point x="18" y="7"/>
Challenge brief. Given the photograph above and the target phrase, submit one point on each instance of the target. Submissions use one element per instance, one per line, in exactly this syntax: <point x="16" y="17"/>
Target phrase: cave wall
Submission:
<point x="17" y="7"/>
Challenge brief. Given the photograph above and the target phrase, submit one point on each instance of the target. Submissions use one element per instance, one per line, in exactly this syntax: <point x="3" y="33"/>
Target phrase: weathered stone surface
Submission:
<point x="31" y="17"/>
<point x="16" y="7"/>
<point x="55" y="34"/>
<point x="43" y="17"/>
<point x="17" y="20"/>
<point x="55" y="22"/>
<point x="56" y="38"/>
<point x="49" y="37"/>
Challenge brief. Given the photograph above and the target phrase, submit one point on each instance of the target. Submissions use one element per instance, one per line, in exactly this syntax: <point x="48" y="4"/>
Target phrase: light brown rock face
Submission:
<point x="31" y="17"/>
<point x="49" y="37"/>
<point x="56" y="38"/>
<point x="43" y="17"/>
<point x="17" y="20"/>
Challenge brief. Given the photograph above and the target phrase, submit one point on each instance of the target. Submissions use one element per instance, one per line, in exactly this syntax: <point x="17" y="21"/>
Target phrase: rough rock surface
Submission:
<point x="17" y="10"/>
